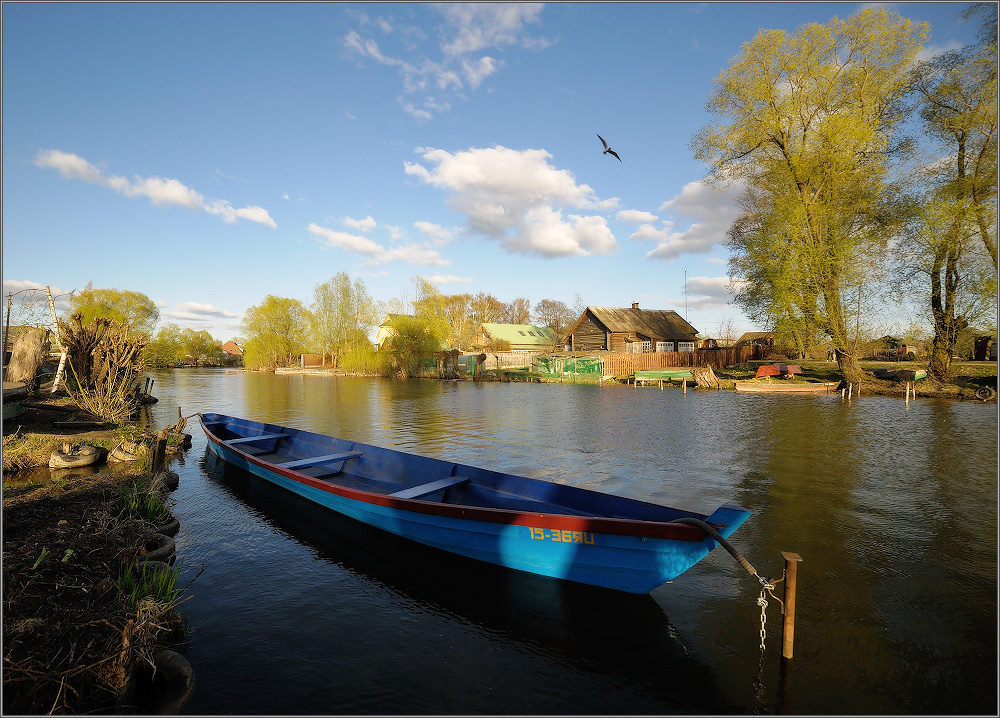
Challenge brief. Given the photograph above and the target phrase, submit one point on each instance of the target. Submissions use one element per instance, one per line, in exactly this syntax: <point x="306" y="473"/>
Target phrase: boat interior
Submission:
<point x="409" y="476"/>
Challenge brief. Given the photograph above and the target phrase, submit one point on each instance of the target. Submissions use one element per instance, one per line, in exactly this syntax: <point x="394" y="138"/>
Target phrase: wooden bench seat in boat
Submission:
<point x="429" y="488"/>
<point x="328" y="458"/>
<point x="244" y="439"/>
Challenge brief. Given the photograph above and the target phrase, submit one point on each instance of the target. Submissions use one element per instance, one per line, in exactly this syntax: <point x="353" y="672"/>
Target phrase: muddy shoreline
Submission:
<point x="75" y="640"/>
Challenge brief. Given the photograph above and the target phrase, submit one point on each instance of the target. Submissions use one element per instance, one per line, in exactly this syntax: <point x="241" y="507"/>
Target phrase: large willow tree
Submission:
<point x="277" y="331"/>
<point x="806" y="121"/>
<point x="952" y="243"/>
<point x="343" y="315"/>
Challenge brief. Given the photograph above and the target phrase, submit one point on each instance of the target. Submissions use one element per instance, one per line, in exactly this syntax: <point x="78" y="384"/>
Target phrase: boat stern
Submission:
<point x="727" y="518"/>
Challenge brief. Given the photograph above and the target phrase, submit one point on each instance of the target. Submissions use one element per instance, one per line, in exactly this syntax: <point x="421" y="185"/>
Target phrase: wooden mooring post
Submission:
<point x="788" y="607"/>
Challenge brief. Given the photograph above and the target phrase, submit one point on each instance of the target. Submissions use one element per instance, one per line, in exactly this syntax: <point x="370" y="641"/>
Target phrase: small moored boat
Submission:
<point x="522" y="523"/>
<point x="783" y="386"/>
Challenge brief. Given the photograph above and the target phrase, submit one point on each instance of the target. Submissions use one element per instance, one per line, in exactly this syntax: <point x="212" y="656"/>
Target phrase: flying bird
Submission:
<point x="608" y="150"/>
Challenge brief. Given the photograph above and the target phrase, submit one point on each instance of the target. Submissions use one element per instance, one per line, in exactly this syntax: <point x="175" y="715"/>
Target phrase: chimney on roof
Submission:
<point x="635" y="305"/>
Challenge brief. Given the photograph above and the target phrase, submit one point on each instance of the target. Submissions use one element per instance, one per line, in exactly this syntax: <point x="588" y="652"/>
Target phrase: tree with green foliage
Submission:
<point x="343" y="315"/>
<point x="173" y="345"/>
<point x="517" y="311"/>
<point x="773" y="288"/>
<point x="485" y="309"/>
<point x="430" y="306"/>
<point x="276" y="332"/>
<point x="951" y="244"/>
<point x="166" y="348"/>
<point x="122" y="307"/>
<point x="806" y="121"/>
<point x="457" y="310"/>
<point x="414" y="339"/>
<point x="200" y="347"/>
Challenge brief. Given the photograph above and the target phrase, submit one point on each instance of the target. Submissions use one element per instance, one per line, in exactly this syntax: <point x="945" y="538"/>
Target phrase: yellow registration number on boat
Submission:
<point x="561" y="536"/>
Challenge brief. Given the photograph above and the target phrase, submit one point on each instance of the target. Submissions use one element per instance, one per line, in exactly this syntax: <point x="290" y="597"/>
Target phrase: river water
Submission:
<point x="892" y="507"/>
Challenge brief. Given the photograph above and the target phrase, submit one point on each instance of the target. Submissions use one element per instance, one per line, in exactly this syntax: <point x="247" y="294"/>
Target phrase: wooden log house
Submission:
<point x="631" y="331"/>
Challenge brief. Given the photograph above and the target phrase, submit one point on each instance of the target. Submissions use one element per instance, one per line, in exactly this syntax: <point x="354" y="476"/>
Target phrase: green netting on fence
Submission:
<point x="561" y="366"/>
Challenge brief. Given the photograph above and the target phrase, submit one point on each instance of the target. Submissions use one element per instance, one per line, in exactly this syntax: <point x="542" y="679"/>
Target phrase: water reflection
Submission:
<point x="892" y="510"/>
<point x="617" y="636"/>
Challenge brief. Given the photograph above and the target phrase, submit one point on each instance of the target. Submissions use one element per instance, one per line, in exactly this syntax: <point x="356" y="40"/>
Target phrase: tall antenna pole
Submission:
<point x="685" y="295"/>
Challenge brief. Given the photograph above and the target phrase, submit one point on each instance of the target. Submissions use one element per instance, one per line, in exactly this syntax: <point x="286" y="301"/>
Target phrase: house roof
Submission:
<point x="390" y="318"/>
<point x="232" y="348"/>
<point x="521" y="333"/>
<point x="754" y="336"/>
<point x="653" y="323"/>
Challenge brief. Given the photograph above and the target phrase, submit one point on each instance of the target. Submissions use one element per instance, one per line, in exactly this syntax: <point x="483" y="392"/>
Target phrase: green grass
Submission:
<point x="141" y="500"/>
<point x="138" y="583"/>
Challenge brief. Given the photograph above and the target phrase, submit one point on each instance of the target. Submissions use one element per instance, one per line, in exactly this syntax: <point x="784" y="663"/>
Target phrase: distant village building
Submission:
<point x="232" y="350"/>
<point x="892" y="348"/>
<point x="518" y="337"/>
<point x="386" y="330"/>
<point x="985" y="348"/>
<point x="756" y="339"/>
<point x="631" y="330"/>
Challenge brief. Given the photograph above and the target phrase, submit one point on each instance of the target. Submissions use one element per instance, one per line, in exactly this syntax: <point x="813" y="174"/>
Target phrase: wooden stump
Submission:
<point x="704" y="376"/>
<point x="26" y="359"/>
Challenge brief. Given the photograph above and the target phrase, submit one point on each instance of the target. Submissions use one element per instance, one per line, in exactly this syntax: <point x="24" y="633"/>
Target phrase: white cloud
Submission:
<point x="517" y="198"/>
<point x="928" y="52"/>
<point x="713" y="212"/>
<point x="28" y="293"/>
<point x="375" y="253"/>
<point x="477" y="26"/>
<point x="637" y="216"/>
<point x="476" y="72"/>
<point x="365" y="225"/>
<point x="460" y="59"/>
<point x="648" y="231"/>
<point x="440" y="279"/>
<point x="435" y="232"/>
<point x="194" y="310"/>
<point x="159" y="190"/>
<point x="708" y="292"/>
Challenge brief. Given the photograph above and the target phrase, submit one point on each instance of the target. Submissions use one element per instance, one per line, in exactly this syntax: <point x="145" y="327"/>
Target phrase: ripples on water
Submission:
<point x="892" y="509"/>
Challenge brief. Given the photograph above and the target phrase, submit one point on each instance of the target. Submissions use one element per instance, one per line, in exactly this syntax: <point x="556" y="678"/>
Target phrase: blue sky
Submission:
<point x="208" y="155"/>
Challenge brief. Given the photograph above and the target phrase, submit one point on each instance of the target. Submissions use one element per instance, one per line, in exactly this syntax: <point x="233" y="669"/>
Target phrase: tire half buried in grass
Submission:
<point x="68" y="458"/>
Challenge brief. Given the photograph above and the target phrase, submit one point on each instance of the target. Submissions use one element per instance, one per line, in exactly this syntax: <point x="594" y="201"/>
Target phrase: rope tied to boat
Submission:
<point x="707" y="528"/>
<point x="767" y="587"/>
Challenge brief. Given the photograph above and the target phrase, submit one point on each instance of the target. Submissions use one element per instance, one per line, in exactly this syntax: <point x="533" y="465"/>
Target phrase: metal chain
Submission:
<point x="762" y="602"/>
<point x="758" y="684"/>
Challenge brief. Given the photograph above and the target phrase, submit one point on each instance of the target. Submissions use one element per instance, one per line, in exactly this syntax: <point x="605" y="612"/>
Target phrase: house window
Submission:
<point x="647" y="347"/>
<point x="664" y="346"/>
<point x="687" y="347"/>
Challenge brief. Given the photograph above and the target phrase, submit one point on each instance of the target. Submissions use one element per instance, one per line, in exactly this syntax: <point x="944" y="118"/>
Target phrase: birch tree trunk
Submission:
<point x="62" y="349"/>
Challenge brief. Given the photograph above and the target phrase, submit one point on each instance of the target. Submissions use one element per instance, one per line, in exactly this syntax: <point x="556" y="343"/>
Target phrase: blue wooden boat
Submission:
<point x="526" y="524"/>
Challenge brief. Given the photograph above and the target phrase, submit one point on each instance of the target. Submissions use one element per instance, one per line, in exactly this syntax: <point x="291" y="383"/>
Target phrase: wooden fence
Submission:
<point x="621" y="365"/>
<point x="510" y="360"/>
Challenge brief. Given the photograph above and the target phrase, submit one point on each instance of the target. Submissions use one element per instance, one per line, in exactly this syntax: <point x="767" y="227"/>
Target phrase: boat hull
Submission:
<point x="590" y="550"/>
<point x="780" y="387"/>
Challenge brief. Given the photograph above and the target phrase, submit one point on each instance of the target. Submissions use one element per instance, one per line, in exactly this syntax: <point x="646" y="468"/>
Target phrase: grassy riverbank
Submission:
<point x="81" y="622"/>
<point x="965" y="380"/>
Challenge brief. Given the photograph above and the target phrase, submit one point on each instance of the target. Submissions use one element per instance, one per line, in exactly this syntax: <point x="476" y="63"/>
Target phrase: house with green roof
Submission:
<point x="520" y="337"/>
